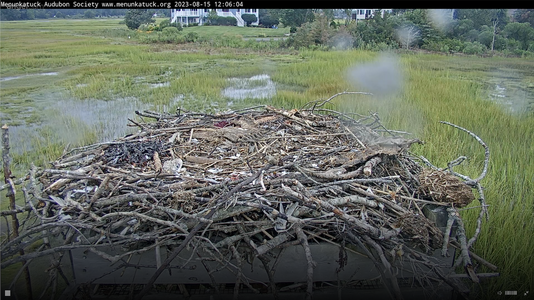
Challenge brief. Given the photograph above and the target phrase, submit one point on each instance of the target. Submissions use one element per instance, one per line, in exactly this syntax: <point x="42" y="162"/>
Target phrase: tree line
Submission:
<point x="470" y="31"/>
<point x="32" y="14"/>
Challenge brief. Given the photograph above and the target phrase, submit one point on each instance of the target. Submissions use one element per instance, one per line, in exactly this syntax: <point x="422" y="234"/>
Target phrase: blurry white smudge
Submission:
<point x="441" y="19"/>
<point x="407" y="35"/>
<point x="255" y="87"/>
<point x="381" y="77"/>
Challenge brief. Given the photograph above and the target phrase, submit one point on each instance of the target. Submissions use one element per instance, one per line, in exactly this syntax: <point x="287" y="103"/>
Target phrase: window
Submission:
<point x="254" y="10"/>
<point x="247" y="10"/>
<point x="225" y="10"/>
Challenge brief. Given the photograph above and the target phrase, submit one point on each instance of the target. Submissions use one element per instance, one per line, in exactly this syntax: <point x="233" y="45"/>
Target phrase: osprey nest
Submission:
<point x="245" y="183"/>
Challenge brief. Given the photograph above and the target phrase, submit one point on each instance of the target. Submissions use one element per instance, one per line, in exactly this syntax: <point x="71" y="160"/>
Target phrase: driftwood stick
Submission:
<point x="474" y="256"/>
<point x="262" y="258"/>
<point x="393" y="280"/>
<point x="303" y="239"/>
<point x="12" y="205"/>
<point x="446" y="235"/>
<point x="143" y="217"/>
<point x="370" y="164"/>
<point x="486" y="149"/>
<point x="179" y="249"/>
<point x="464" y="250"/>
<point x="237" y="257"/>
<point x="18" y="181"/>
<point x="387" y="283"/>
<point x="362" y="225"/>
<point x="318" y="104"/>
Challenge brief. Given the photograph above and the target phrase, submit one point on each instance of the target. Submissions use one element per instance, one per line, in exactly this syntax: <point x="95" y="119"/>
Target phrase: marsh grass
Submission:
<point x="96" y="62"/>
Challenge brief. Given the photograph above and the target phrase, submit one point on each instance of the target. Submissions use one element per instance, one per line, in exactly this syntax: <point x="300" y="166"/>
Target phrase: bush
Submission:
<point x="164" y="24"/>
<point x="191" y="37"/>
<point x="170" y="30"/>
<point x="474" y="48"/>
<point x="222" y="21"/>
<point x="249" y="18"/>
<point x="445" y="45"/>
<point x="135" y="17"/>
<point x="147" y="27"/>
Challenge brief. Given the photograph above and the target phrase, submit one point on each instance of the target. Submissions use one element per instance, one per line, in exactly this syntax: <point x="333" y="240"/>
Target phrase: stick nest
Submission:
<point x="253" y="179"/>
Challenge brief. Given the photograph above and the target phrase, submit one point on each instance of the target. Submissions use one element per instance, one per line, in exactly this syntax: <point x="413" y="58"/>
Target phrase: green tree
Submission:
<point x="296" y="17"/>
<point x="268" y="18"/>
<point x="482" y="17"/>
<point x="89" y="14"/>
<point x="347" y="14"/>
<point x="521" y="32"/>
<point x="524" y="15"/>
<point x="249" y="18"/>
<point x="213" y="17"/>
<point x="164" y="24"/>
<point x="135" y="17"/>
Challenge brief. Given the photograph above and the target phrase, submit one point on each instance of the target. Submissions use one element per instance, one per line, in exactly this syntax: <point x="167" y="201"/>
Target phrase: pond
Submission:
<point x="508" y="88"/>
<point x="51" y="115"/>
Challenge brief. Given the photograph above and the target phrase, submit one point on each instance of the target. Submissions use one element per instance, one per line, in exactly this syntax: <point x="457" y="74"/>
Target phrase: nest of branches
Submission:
<point x="250" y="180"/>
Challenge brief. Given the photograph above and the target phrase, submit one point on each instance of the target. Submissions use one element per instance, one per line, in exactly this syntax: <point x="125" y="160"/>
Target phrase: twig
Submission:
<point x="486" y="150"/>
<point x="464" y="254"/>
<point x="177" y="251"/>
<point x="303" y="239"/>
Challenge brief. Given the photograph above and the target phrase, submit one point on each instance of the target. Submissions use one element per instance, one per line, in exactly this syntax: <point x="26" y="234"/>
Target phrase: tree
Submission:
<point x="524" y="15"/>
<point x="89" y="14"/>
<point x="521" y="32"/>
<point x="212" y="17"/>
<point x="268" y="18"/>
<point x="135" y="17"/>
<point x="296" y="17"/>
<point x="249" y="18"/>
<point x="482" y="17"/>
<point x="347" y="13"/>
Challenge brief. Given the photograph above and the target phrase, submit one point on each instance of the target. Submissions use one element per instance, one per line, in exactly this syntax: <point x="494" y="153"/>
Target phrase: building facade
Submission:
<point x="362" y="14"/>
<point x="200" y="16"/>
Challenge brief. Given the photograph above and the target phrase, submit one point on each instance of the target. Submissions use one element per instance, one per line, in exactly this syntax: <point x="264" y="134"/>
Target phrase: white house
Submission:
<point x="362" y="14"/>
<point x="200" y="16"/>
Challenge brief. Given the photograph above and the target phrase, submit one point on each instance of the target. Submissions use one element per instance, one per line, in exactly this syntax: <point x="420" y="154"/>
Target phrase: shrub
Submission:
<point x="445" y="45"/>
<point x="170" y="30"/>
<point x="164" y="24"/>
<point x="249" y="18"/>
<point x="222" y="21"/>
<point x="191" y="37"/>
<point x="135" y="17"/>
<point x="474" y="48"/>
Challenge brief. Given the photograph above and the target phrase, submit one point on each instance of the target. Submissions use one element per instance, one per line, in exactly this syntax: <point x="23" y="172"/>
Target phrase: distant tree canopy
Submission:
<point x="471" y="31"/>
<point x="524" y="15"/>
<point x="135" y="17"/>
<point x="268" y="17"/>
<point x="31" y="14"/>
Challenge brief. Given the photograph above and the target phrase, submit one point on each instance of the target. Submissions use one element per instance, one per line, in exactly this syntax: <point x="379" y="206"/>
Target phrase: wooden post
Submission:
<point x="11" y="196"/>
